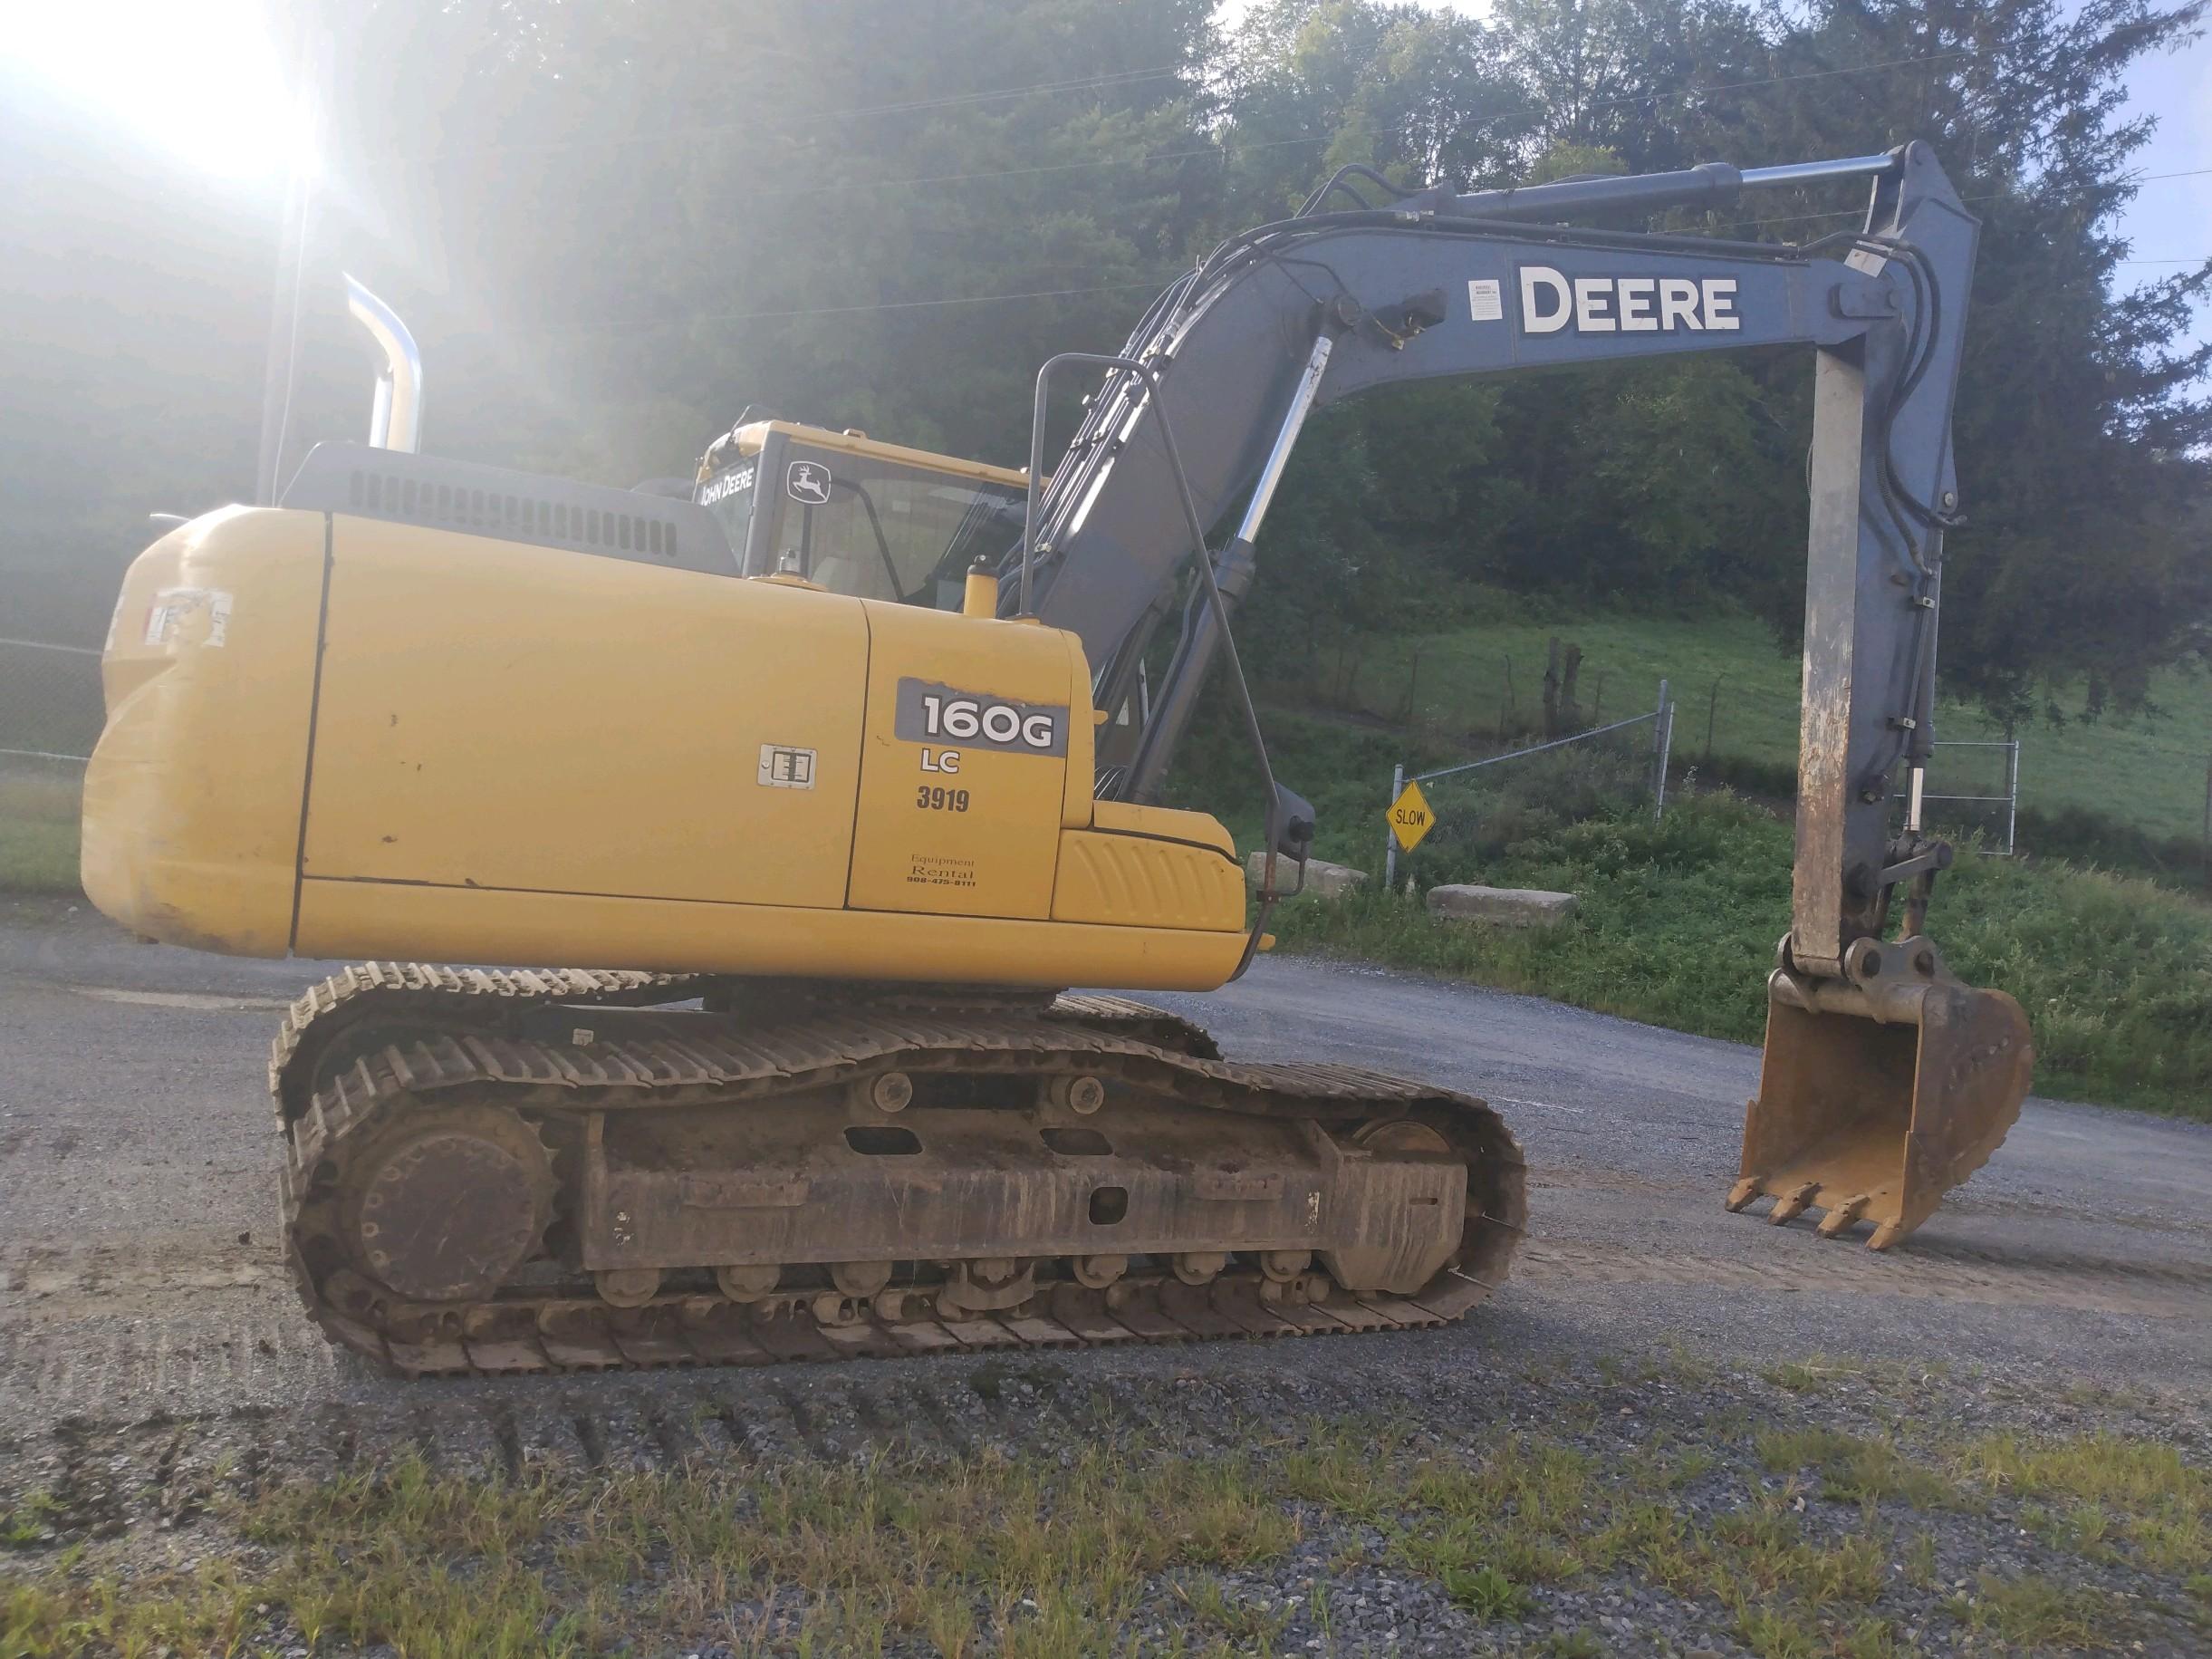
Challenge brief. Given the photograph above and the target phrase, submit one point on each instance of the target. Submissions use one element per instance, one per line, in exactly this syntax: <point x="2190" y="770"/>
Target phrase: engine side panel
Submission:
<point x="191" y="821"/>
<point x="500" y="715"/>
<point x="969" y="726"/>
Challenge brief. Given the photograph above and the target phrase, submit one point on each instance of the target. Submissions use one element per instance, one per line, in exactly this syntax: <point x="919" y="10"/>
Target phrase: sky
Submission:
<point x="2171" y="218"/>
<point x="207" y="80"/>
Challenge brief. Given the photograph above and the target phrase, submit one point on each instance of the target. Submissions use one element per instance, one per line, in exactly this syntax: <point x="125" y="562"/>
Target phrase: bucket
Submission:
<point x="1879" y="1092"/>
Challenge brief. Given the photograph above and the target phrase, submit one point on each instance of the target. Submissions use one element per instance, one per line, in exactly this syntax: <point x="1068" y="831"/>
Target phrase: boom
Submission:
<point x="1290" y="316"/>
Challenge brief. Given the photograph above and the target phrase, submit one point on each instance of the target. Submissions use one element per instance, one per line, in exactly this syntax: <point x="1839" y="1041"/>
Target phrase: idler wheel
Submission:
<point x="859" y="1278"/>
<point x="627" y="1286"/>
<point x="1200" y="1267"/>
<point x="1097" y="1272"/>
<point x="446" y="1206"/>
<point x="752" y="1283"/>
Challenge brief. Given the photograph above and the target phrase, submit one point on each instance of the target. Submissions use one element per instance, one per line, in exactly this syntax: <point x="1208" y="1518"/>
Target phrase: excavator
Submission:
<point x="843" y="764"/>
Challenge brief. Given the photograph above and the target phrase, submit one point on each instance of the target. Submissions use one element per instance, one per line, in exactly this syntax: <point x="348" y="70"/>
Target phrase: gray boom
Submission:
<point x="1300" y="314"/>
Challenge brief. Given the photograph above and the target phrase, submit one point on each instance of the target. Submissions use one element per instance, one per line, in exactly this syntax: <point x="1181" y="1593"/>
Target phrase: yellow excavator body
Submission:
<point x="862" y="835"/>
<point x="762" y="741"/>
<point x="344" y="736"/>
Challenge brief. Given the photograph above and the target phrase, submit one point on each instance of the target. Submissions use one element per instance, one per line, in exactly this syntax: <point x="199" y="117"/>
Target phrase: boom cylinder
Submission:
<point x="1234" y="571"/>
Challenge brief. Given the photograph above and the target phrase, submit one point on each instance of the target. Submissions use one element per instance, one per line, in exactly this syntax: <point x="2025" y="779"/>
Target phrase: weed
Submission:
<point x="1688" y="1366"/>
<point x="1485" y="1592"/>
<point x="1855" y="1470"/>
<point x="1210" y="1603"/>
<point x="2033" y="1612"/>
<point x="2135" y="1489"/>
<point x="1774" y="1633"/>
<point x="1873" y="1638"/>
<point x="31" y="1522"/>
<point x="1918" y="1561"/>
<point x="1341" y="1469"/>
<point x="1799" y="1377"/>
<point x="1693" y="1463"/>
<point x="2083" y="1529"/>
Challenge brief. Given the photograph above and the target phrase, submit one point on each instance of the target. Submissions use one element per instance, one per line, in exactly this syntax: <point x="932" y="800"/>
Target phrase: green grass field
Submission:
<point x="1678" y="920"/>
<point x="2147" y="772"/>
<point x="1680" y="916"/>
<point x="38" y="830"/>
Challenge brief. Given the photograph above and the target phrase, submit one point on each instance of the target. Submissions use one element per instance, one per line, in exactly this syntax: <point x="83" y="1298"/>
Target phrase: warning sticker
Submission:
<point x="1487" y="299"/>
<point x="783" y="767"/>
<point x="173" y="607"/>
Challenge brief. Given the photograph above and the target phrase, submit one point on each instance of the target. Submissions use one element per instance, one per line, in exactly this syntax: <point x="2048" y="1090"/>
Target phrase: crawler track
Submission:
<point x="364" y="1051"/>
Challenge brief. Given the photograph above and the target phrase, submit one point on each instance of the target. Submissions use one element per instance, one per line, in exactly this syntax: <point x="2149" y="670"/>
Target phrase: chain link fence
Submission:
<point x="1481" y="806"/>
<point x="1971" y="786"/>
<point x="50" y="716"/>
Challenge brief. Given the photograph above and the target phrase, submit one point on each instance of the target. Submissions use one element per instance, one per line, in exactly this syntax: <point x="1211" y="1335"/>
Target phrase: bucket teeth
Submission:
<point x="1887" y="1234"/>
<point x="1792" y="1204"/>
<point x="1840" y="1219"/>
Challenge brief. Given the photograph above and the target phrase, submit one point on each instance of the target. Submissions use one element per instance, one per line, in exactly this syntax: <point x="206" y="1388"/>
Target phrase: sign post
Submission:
<point x="1397" y="783"/>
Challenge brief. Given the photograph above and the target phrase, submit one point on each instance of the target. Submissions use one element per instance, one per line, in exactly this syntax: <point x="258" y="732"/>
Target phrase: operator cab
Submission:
<point x="874" y="520"/>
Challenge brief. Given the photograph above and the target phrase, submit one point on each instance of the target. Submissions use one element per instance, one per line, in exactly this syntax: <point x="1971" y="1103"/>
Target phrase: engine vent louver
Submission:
<point x="377" y="494"/>
<point x="516" y="506"/>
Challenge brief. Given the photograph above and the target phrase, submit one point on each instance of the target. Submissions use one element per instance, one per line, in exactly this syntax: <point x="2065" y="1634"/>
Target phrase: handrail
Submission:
<point x="1201" y="556"/>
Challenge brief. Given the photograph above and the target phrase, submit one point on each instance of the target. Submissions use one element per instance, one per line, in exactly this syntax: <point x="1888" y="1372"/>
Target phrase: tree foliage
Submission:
<point x="615" y="225"/>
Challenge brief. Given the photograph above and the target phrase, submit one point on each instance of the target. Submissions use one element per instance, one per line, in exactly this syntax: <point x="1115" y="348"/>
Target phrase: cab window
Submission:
<point x="877" y="530"/>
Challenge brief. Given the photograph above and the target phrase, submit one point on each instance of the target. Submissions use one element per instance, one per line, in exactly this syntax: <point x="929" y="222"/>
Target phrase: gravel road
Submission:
<point x="140" y="1268"/>
<point x="145" y="1325"/>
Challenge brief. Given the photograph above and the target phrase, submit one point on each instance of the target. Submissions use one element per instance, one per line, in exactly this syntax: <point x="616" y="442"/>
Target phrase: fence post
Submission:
<point x="2012" y="801"/>
<point x="1389" y="831"/>
<point x="1662" y="740"/>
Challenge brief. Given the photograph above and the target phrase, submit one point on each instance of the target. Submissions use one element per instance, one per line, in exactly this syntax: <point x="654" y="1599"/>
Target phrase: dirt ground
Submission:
<point x="150" y="1346"/>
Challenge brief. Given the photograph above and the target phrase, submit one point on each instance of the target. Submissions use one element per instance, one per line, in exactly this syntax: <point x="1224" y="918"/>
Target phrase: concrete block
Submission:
<point x="1322" y="879"/>
<point x="1503" y="907"/>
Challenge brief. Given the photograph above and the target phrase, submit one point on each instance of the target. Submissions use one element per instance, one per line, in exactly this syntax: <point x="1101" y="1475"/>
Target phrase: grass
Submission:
<point x="1066" y="1555"/>
<point x="38" y="829"/>
<point x="1678" y="920"/>
<point x="2147" y="772"/>
<point x="1853" y="1469"/>
<point x="2132" y="1492"/>
<point x="30" y="1522"/>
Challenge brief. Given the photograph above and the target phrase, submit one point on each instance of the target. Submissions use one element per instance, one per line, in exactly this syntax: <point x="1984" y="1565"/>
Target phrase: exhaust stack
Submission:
<point x="395" y="421"/>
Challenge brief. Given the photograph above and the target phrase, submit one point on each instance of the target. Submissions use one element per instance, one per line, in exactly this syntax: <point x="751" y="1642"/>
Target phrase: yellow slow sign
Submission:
<point x="1411" y="818"/>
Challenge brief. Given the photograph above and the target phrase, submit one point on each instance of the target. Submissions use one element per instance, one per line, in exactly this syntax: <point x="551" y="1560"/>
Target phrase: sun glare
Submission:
<point x="202" y="81"/>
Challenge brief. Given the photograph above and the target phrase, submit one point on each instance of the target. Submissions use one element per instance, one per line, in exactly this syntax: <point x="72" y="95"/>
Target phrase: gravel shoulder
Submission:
<point x="155" y="1377"/>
